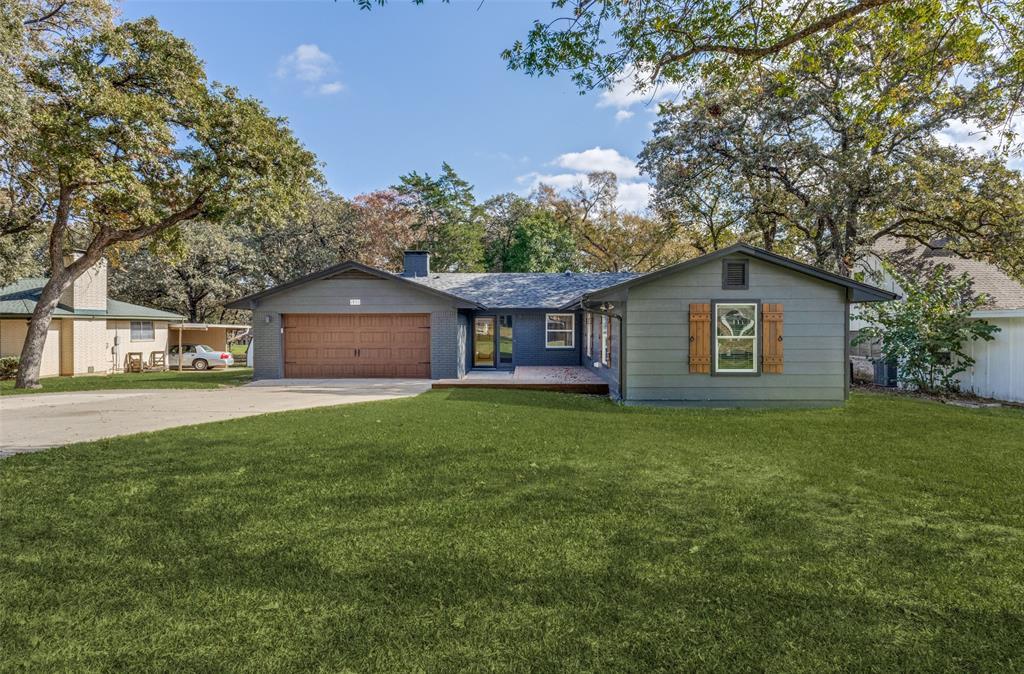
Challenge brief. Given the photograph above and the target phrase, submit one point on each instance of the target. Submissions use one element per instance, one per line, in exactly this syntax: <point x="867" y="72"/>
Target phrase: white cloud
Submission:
<point x="624" y="94"/>
<point x="599" y="159"/>
<point x="968" y="135"/>
<point x="633" y="194"/>
<point x="329" y="88"/>
<point x="308" y="63"/>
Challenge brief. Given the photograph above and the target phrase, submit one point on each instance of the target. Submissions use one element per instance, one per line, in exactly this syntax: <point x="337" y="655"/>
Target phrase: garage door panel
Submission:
<point x="356" y="345"/>
<point x="329" y="355"/>
<point x="333" y="338"/>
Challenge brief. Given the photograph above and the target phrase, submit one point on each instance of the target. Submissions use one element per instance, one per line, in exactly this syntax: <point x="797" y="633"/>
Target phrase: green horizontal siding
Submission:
<point x="658" y="345"/>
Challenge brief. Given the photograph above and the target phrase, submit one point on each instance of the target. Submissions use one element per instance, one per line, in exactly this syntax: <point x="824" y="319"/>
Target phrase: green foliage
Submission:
<point x="128" y="141"/>
<point x="837" y="148"/>
<point x="522" y="235"/>
<point x="924" y="333"/>
<point x="645" y="44"/>
<point x="447" y="220"/>
<point x="8" y="367"/>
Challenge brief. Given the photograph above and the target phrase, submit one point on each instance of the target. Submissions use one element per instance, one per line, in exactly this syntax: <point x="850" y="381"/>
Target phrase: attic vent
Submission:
<point x="734" y="275"/>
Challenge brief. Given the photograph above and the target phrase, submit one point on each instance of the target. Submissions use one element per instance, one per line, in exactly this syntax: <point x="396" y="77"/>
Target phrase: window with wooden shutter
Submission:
<point x="771" y="340"/>
<point x="700" y="338"/>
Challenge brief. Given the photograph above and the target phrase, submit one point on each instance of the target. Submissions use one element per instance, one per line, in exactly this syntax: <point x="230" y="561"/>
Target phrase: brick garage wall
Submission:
<point x="266" y="336"/>
<point x="444" y="344"/>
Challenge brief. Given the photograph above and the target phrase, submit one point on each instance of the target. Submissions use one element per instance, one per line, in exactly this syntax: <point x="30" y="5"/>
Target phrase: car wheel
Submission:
<point x="200" y="364"/>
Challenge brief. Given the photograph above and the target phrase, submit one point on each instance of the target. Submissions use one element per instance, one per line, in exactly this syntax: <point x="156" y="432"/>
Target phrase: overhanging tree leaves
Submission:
<point x="838" y="149"/>
<point x="651" y="42"/>
<point x="128" y="140"/>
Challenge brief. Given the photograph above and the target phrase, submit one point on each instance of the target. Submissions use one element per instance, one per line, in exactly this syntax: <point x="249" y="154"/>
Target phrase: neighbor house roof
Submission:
<point x="1001" y="291"/>
<point x="860" y="292"/>
<point x="521" y="291"/>
<point x="19" y="299"/>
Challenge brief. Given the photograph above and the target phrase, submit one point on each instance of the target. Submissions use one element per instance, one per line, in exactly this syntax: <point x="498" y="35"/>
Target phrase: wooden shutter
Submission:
<point x="700" y="338"/>
<point x="771" y="339"/>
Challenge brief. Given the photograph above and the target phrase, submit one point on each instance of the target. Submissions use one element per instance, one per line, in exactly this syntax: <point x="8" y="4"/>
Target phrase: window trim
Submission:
<point x="131" y="331"/>
<point x="756" y="372"/>
<point x="746" y="273"/>
<point x="588" y="336"/>
<point x="606" y="340"/>
<point x="571" y="331"/>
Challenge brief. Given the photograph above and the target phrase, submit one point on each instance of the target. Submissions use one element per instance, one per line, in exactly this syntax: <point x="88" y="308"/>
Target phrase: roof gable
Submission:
<point x="349" y="267"/>
<point x="860" y="292"/>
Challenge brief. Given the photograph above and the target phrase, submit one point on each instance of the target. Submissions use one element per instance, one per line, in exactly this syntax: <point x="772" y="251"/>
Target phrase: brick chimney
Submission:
<point x="417" y="263"/>
<point x="89" y="291"/>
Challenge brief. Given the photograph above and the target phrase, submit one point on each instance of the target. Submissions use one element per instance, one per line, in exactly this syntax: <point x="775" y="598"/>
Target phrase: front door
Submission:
<point x="483" y="341"/>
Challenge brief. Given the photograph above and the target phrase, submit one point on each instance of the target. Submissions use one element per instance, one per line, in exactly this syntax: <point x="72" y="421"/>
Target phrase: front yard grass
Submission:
<point x="234" y="376"/>
<point x="524" y="531"/>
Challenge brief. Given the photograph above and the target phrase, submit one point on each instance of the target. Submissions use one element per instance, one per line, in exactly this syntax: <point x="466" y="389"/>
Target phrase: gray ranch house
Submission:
<point x="737" y="327"/>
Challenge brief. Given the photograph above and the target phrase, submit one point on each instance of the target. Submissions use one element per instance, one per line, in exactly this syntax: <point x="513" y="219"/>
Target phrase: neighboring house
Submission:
<point x="90" y="333"/>
<point x="998" y="371"/>
<point x="705" y="331"/>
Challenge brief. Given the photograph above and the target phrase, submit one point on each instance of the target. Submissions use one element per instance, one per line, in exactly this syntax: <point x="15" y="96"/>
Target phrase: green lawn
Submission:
<point x="524" y="531"/>
<point x="234" y="376"/>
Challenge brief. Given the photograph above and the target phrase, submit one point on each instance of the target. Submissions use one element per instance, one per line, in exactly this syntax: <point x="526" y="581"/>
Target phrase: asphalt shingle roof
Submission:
<point x="19" y="299"/>
<point x="521" y="291"/>
<point x="1002" y="291"/>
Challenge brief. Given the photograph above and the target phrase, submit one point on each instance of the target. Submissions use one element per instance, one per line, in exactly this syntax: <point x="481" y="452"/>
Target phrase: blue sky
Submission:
<point x="400" y="88"/>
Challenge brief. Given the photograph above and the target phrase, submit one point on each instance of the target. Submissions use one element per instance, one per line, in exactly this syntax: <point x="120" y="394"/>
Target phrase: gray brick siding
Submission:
<point x="267" y="360"/>
<point x="444" y="344"/>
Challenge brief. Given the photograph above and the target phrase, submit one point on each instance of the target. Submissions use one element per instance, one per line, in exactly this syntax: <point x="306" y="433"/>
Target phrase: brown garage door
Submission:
<point x="356" y="345"/>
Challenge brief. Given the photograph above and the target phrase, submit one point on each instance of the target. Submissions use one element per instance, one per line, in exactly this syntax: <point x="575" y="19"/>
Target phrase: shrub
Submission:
<point x="924" y="332"/>
<point x="8" y="367"/>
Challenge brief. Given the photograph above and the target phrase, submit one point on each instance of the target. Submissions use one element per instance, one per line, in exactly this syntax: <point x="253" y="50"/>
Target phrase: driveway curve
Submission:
<point x="33" y="422"/>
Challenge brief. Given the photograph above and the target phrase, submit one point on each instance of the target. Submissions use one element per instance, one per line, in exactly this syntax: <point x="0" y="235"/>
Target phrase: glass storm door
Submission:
<point x="483" y="341"/>
<point x="505" y="340"/>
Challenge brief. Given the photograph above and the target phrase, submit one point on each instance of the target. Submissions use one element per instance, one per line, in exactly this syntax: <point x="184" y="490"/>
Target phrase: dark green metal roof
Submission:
<point x="18" y="299"/>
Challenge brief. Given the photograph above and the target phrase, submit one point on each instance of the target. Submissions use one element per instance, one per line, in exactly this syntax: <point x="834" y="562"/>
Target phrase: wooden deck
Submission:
<point x="574" y="379"/>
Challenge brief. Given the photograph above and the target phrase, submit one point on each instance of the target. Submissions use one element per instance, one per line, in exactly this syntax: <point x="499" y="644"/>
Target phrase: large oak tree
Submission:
<point x="839" y="148"/>
<point x="127" y="140"/>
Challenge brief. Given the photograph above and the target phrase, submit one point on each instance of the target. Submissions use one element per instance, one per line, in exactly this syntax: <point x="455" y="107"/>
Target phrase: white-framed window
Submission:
<point x="588" y="335"/>
<point x="560" y="331"/>
<point x="735" y="337"/>
<point x="142" y="331"/>
<point x="606" y="340"/>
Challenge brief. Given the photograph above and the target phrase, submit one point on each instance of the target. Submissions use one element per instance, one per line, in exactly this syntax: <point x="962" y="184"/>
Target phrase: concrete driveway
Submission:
<point x="37" y="421"/>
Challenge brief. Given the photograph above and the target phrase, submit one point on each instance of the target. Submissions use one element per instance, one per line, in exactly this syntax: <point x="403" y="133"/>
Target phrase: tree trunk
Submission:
<point x="39" y="324"/>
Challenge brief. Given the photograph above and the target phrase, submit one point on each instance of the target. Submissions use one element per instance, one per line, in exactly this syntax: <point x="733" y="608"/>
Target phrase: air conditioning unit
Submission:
<point x="885" y="373"/>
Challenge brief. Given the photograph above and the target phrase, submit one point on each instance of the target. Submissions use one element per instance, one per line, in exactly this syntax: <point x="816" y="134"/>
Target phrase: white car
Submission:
<point x="199" y="357"/>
